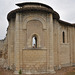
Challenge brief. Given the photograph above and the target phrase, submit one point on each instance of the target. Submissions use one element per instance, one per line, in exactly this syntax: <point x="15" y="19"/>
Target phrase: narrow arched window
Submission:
<point x="63" y="34"/>
<point x="34" y="42"/>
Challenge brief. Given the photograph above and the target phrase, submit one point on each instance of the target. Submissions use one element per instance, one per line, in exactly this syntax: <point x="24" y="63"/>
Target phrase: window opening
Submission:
<point x="63" y="37"/>
<point x="34" y="42"/>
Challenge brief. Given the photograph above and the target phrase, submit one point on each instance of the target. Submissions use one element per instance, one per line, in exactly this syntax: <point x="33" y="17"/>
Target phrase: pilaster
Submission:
<point x="16" y="42"/>
<point x="50" y="52"/>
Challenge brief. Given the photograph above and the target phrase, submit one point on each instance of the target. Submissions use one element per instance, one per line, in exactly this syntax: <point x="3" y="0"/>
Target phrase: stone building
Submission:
<point x="54" y="39"/>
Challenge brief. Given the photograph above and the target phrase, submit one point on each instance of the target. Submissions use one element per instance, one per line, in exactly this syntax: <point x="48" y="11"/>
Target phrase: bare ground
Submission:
<point x="63" y="71"/>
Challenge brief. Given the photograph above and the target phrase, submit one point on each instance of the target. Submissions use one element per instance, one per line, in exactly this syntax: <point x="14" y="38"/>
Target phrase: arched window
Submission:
<point x="63" y="34"/>
<point x="34" y="41"/>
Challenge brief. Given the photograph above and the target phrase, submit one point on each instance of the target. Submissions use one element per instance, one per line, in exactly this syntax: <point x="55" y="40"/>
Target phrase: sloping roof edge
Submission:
<point x="66" y="23"/>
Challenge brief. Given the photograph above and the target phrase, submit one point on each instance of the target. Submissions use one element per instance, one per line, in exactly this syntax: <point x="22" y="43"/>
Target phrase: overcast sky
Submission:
<point x="65" y="8"/>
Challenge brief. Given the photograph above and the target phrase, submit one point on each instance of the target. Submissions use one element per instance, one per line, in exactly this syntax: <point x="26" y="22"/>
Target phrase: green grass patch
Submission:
<point x="70" y="73"/>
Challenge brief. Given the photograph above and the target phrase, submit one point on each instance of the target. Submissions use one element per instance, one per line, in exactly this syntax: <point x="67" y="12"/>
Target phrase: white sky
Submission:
<point x="65" y="8"/>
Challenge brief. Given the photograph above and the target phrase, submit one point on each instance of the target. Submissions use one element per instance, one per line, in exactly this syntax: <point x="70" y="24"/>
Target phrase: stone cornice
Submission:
<point x="32" y="7"/>
<point x="36" y="7"/>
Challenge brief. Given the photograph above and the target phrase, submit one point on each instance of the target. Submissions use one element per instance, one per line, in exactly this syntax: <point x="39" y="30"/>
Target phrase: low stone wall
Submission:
<point x="3" y="63"/>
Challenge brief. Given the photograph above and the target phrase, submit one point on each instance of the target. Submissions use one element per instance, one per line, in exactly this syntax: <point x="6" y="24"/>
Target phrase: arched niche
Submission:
<point x="29" y="18"/>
